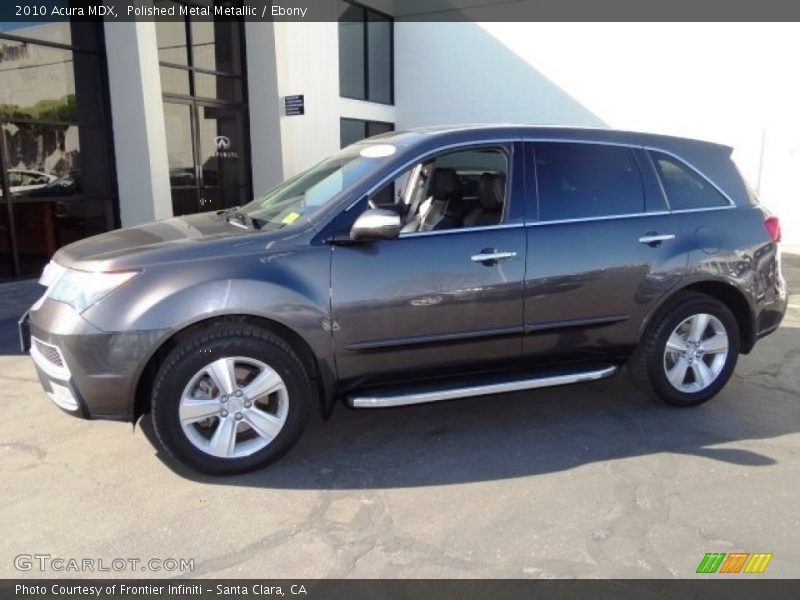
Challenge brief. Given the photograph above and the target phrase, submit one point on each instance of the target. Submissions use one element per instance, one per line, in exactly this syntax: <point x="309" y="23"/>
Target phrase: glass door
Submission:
<point x="203" y="85"/>
<point x="206" y="147"/>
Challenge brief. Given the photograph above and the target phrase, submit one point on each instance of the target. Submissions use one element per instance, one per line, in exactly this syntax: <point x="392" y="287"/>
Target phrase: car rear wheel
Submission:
<point x="689" y="351"/>
<point x="230" y="400"/>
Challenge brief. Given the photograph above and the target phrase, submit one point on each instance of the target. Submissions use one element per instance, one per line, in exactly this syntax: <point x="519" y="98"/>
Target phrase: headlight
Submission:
<point x="82" y="289"/>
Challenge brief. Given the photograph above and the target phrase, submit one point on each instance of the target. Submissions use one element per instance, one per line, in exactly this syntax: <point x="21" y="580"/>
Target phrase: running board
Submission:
<point x="388" y="397"/>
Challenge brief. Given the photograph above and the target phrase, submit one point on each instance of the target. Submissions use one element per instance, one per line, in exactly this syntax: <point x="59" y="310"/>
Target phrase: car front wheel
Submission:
<point x="230" y="400"/>
<point x="689" y="352"/>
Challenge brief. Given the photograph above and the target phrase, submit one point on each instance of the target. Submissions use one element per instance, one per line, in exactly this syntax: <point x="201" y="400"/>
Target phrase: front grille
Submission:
<point x="49" y="353"/>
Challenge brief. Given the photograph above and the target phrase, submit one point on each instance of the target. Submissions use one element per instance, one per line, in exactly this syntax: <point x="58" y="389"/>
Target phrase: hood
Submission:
<point x="178" y="238"/>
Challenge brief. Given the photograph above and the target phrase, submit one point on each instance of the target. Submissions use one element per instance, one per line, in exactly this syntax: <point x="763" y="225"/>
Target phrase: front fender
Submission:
<point x="165" y="300"/>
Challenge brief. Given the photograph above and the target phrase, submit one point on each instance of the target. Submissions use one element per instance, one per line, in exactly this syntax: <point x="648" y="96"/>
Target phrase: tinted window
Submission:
<point x="684" y="188"/>
<point x="365" y="54"/>
<point x="352" y="72"/>
<point x="379" y="57"/>
<point x="354" y="130"/>
<point x="577" y="181"/>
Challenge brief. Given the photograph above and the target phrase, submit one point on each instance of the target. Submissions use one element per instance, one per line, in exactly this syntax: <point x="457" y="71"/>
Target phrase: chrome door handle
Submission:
<point x="656" y="238"/>
<point x="492" y="256"/>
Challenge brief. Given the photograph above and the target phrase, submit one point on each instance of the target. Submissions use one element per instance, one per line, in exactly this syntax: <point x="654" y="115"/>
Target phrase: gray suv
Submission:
<point x="414" y="267"/>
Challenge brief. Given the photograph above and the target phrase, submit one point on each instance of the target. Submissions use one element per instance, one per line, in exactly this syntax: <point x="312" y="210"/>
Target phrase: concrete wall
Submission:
<point x="731" y="83"/>
<point x="137" y="113"/>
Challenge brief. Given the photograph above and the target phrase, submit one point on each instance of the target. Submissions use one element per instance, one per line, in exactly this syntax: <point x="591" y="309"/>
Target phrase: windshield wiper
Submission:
<point x="237" y="218"/>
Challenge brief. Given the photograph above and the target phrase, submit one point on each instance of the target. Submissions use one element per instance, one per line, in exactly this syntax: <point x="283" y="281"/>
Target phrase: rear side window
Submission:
<point x="685" y="188"/>
<point x="578" y="181"/>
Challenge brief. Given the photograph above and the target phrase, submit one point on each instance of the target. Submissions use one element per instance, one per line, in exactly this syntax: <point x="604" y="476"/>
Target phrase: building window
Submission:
<point x="353" y="130"/>
<point x="366" y="54"/>
<point x="205" y="110"/>
<point x="56" y="154"/>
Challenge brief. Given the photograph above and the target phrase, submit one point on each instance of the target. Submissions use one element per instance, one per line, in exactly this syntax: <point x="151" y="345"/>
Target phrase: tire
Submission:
<point x="250" y="391"/>
<point x="652" y="363"/>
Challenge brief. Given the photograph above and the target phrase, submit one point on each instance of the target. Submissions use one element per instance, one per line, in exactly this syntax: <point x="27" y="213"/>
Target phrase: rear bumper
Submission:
<point x="86" y="372"/>
<point x="770" y="315"/>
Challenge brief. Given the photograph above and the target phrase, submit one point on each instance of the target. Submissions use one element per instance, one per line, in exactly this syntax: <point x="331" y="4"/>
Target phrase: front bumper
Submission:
<point x="86" y="372"/>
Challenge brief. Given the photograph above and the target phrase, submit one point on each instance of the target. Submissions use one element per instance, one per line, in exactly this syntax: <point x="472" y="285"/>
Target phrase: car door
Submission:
<point x="434" y="302"/>
<point x="602" y="250"/>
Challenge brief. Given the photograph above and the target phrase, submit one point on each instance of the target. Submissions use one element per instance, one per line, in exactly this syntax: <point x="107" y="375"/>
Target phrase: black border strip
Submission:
<point x="437" y="10"/>
<point x="703" y="586"/>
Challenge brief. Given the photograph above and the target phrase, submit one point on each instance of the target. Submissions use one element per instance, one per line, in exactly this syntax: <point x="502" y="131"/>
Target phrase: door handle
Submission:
<point x="656" y="238"/>
<point x="491" y="257"/>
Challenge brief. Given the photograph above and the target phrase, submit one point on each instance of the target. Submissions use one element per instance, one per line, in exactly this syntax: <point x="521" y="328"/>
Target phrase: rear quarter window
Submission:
<point x="685" y="188"/>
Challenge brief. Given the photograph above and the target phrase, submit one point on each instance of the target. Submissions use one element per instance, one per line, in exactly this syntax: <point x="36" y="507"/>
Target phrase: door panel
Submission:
<point x="590" y="281"/>
<point x="590" y="284"/>
<point x="419" y="304"/>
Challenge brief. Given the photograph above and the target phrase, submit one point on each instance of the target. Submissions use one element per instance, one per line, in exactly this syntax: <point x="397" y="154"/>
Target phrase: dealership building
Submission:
<point x="107" y="125"/>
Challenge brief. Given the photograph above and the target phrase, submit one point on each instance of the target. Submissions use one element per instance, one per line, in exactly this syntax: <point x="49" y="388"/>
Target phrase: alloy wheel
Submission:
<point x="233" y="407"/>
<point x="695" y="353"/>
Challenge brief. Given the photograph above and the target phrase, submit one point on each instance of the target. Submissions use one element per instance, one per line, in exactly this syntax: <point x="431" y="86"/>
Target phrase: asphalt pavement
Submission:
<point x="594" y="480"/>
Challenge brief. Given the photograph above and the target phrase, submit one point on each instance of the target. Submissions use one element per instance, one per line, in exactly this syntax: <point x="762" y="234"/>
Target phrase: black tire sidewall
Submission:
<point x="186" y="360"/>
<point x="671" y="319"/>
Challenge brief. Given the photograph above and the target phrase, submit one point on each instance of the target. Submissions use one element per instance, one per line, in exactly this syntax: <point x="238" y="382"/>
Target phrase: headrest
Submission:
<point x="445" y="184"/>
<point x="492" y="190"/>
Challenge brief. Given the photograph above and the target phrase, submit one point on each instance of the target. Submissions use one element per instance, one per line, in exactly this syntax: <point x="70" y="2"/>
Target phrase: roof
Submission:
<point x="558" y="132"/>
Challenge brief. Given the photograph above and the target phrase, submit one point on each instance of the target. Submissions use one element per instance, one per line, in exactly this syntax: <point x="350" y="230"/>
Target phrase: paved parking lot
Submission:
<point x="587" y="481"/>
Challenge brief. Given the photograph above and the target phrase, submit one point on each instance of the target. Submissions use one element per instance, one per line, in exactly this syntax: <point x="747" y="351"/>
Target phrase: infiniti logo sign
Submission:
<point x="222" y="142"/>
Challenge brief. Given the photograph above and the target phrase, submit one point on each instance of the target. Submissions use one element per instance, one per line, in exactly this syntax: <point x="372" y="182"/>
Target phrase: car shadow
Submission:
<point x="530" y="433"/>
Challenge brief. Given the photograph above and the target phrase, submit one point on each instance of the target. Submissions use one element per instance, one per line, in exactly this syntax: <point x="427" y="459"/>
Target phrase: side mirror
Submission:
<point x="376" y="224"/>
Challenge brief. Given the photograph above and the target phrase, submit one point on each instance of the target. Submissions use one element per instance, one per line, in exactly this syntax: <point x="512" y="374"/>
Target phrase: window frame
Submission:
<point x="365" y="24"/>
<point x="191" y="69"/>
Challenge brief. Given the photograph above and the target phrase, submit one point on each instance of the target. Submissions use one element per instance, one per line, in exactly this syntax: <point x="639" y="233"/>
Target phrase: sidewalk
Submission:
<point x="15" y="298"/>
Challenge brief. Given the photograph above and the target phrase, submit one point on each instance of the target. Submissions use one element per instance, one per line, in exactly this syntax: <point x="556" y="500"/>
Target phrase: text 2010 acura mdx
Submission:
<point x="414" y="267"/>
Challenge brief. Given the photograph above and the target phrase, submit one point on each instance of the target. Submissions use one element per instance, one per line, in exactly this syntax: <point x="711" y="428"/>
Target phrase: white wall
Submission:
<point x="732" y="83"/>
<point x="308" y="63"/>
<point x="265" y="113"/>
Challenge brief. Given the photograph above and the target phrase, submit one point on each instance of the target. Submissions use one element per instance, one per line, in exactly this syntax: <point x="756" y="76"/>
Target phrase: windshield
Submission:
<point x="311" y="189"/>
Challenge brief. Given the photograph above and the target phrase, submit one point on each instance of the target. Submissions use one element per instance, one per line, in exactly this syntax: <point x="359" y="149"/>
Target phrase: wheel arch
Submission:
<point x="322" y="379"/>
<point x="729" y="295"/>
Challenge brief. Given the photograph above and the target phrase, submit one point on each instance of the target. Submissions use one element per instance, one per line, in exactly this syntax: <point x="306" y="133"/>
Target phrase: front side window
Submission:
<point x="455" y="190"/>
<point x="580" y="181"/>
<point x="685" y="188"/>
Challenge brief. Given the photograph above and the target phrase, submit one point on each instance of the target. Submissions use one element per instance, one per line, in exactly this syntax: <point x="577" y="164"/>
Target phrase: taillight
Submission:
<point x="773" y="227"/>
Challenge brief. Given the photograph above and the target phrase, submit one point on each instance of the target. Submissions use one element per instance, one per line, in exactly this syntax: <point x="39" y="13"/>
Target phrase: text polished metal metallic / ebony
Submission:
<point x="415" y="266"/>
